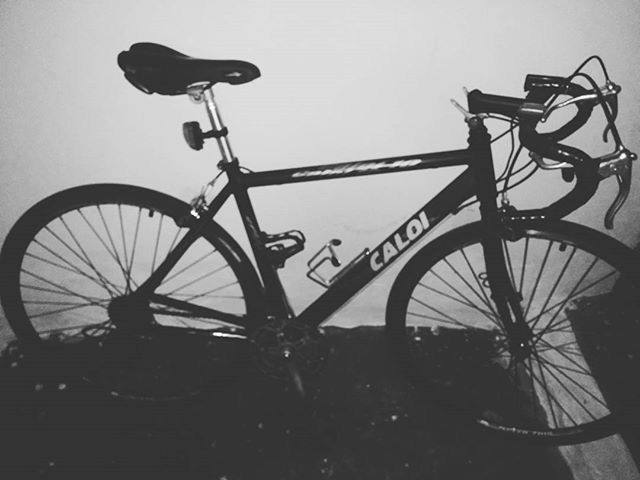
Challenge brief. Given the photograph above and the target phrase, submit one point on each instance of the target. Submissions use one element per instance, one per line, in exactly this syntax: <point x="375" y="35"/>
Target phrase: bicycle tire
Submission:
<point x="572" y="385"/>
<point x="71" y="254"/>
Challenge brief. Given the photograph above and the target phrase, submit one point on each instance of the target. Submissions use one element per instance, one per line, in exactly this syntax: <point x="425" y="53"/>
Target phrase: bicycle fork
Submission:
<point x="506" y="298"/>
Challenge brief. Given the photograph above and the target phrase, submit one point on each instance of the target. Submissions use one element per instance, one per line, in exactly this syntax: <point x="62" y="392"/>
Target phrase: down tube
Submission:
<point x="378" y="259"/>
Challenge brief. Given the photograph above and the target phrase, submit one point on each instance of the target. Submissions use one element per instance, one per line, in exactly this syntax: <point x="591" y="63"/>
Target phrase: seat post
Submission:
<point x="218" y="126"/>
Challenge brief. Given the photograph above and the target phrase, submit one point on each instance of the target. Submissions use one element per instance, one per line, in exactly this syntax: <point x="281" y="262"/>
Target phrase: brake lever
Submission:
<point x="617" y="163"/>
<point x="609" y="90"/>
<point x="612" y="102"/>
<point x="624" y="186"/>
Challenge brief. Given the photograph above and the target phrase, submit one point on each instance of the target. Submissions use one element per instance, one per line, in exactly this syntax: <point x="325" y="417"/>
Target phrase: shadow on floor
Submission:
<point x="361" y="421"/>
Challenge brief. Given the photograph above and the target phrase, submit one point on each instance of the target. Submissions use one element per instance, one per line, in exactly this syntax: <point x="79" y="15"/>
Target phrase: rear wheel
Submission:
<point x="69" y="268"/>
<point x="580" y="300"/>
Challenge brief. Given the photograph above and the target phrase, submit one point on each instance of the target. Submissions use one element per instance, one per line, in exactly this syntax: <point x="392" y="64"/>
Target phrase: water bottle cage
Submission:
<point x="282" y="246"/>
<point x="328" y="254"/>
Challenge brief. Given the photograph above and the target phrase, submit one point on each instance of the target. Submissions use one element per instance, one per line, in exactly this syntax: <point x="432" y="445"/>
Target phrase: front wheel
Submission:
<point x="69" y="269"/>
<point x="579" y="295"/>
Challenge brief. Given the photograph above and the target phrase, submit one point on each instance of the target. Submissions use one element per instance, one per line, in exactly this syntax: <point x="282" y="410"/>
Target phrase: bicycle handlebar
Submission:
<point x="536" y="107"/>
<point x="541" y="88"/>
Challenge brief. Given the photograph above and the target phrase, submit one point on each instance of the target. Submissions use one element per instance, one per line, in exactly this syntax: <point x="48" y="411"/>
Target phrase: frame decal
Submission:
<point x="358" y="167"/>
<point x="405" y="236"/>
<point x="451" y="158"/>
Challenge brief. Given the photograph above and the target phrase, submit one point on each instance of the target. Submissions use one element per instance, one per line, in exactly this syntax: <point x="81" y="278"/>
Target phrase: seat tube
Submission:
<point x="218" y="126"/>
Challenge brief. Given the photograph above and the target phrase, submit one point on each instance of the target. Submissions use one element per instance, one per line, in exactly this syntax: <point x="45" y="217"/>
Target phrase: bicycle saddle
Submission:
<point x="155" y="68"/>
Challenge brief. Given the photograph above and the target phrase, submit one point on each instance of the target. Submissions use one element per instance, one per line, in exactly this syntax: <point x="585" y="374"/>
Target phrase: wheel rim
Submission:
<point x="84" y="260"/>
<point x="453" y="344"/>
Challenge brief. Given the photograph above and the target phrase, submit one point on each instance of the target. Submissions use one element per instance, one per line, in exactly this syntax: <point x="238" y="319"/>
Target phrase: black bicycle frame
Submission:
<point x="477" y="180"/>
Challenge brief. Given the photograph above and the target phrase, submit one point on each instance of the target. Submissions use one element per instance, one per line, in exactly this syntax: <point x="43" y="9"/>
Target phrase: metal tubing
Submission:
<point x="217" y="125"/>
<point x="400" y="241"/>
<point x="356" y="169"/>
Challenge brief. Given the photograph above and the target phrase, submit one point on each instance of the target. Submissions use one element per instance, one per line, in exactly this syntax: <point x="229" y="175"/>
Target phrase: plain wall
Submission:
<point x="342" y="81"/>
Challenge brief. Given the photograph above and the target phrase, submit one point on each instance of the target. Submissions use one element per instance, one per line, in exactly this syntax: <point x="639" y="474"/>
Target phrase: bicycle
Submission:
<point x="522" y="359"/>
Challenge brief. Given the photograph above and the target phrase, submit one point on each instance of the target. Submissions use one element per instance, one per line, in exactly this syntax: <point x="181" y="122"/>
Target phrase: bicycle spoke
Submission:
<point x="512" y="277"/>
<point x="195" y="262"/>
<point x="465" y="300"/>
<point x="124" y="250"/>
<point x="464" y="280"/>
<point x="543" y="383"/>
<point x="113" y="244"/>
<point x="86" y="262"/>
<point x="49" y="302"/>
<point x="562" y="326"/>
<point x="175" y="240"/>
<point x="549" y="346"/>
<point x="577" y="371"/>
<point x="133" y="249"/>
<point x="213" y="290"/>
<point x="64" y="289"/>
<point x="197" y="279"/>
<point x="58" y="292"/>
<point x="537" y="282"/>
<point x="113" y="254"/>
<point x="524" y="265"/>
<point x="68" y="309"/>
<point x="561" y="346"/>
<point x="451" y="319"/>
<point x="557" y="282"/>
<point x="487" y="301"/>
<point x="72" y="268"/>
<point x="546" y="366"/>
<point x="73" y="327"/>
<point x="569" y="359"/>
<point x="155" y="248"/>
<point x="574" y="293"/>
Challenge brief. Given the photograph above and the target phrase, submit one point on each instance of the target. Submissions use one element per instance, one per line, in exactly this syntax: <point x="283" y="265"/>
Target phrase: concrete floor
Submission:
<point x="361" y="420"/>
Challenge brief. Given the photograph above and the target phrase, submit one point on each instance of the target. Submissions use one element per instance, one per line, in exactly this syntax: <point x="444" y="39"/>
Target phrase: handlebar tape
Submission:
<point x="586" y="170"/>
<point x="485" y="103"/>
<point x="541" y="88"/>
